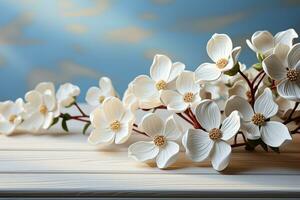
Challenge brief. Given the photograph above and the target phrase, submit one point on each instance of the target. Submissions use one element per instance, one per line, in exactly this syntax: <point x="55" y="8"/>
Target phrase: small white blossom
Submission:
<point x="162" y="73"/>
<point x="10" y="116"/>
<point x="212" y="141"/>
<point x="66" y="94"/>
<point x="257" y="123"/>
<point x="288" y="74"/>
<point x="187" y="94"/>
<point x="112" y="122"/>
<point x="163" y="147"/>
<point x="220" y="50"/>
<point x="263" y="42"/>
<point x="95" y="96"/>
<point x="40" y="108"/>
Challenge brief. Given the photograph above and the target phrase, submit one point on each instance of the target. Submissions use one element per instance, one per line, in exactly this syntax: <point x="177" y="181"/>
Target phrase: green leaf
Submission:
<point x="257" y="66"/>
<point x="64" y="125"/>
<point x="86" y="126"/>
<point x="55" y="120"/>
<point x="66" y="116"/>
<point x="260" y="57"/>
<point x="234" y="70"/>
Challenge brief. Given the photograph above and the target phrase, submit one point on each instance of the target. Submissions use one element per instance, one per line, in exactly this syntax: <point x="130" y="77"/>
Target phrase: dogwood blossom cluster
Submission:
<point x="219" y="106"/>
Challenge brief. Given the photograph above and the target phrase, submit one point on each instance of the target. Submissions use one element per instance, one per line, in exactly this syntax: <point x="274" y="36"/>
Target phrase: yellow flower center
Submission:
<point x="222" y="63"/>
<point x="188" y="97"/>
<point x="101" y="99"/>
<point x="215" y="134"/>
<point x="161" y="85"/>
<point x="258" y="119"/>
<point x="115" y="126"/>
<point x="12" y="118"/>
<point x="43" y="109"/>
<point x="159" y="140"/>
<point x="292" y="74"/>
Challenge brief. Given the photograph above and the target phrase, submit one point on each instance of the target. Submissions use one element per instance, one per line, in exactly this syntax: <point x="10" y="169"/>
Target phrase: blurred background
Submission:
<point x="79" y="41"/>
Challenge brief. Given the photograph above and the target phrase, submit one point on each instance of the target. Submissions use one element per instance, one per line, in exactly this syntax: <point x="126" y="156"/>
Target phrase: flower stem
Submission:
<point x="250" y="85"/>
<point x="260" y="80"/>
<point x="289" y="119"/>
<point x="185" y="118"/>
<point x="238" y="145"/>
<point x="140" y="132"/>
<point x="80" y="110"/>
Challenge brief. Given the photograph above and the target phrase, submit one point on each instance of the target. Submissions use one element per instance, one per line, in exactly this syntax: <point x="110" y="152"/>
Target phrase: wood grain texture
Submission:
<point x="58" y="165"/>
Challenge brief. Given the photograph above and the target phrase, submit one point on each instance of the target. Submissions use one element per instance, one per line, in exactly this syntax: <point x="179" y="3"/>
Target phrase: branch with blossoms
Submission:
<point x="219" y="106"/>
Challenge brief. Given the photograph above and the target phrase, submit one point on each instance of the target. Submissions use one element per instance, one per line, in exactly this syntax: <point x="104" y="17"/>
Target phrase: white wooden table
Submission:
<point x="64" y="165"/>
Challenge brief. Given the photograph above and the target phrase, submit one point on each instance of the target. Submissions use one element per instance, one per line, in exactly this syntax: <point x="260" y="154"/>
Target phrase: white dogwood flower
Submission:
<point x="220" y="50"/>
<point x="212" y="141"/>
<point x="288" y="75"/>
<point x="112" y="122"/>
<point x="10" y="115"/>
<point x="129" y="99"/>
<point x="187" y="93"/>
<point x="66" y="94"/>
<point x="256" y="123"/>
<point x="40" y="108"/>
<point x="163" y="147"/>
<point x="95" y="96"/>
<point x="263" y="42"/>
<point x="162" y="73"/>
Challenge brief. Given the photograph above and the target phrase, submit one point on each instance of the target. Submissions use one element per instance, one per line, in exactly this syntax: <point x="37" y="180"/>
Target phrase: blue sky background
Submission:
<point x="79" y="41"/>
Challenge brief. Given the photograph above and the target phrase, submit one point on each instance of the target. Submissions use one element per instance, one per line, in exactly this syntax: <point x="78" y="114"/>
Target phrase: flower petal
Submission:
<point x="113" y="109"/>
<point x="106" y="86"/>
<point x="124" y="133"/>
<point x="208" y="114"/>
<point x="101" y="135"/>
<point x="48" y="120"/>
<point x="176" y="69"/>
<point x="143" y="151"/>
<point x="186" y="83"/>
<point x="145" y="90"/>
<point x="33" y="122"/>
<point x="167" y="155"/>
<point x="275" y="133"/>
<point x="219" y="46"/>
<point x="251" y="130"/>
<point x="97" y="118"/>
<point x="44" y="86"/>
<point x="286" y="37"/>
<point x="240" y="104"/>
<point x="6" y="127"/>
<point x="152" y="125"/>
<point x="171" y="131"/>
<point x="160" y="68"/>
<point x="220" y="155"/>
<point x="281" y="51"/>
<point x="289" y="90"/>
<point x="230" y="126"/>
<point x="93" y="96"/>
<point x="34" y="99"/>
<point x="294" y="55"/>
<point x="173" y="100"/>
<point x="265" y="104"/>
<point x="49" y="100"/>
<point x="274" y="67"/>
<point x="198" y="145"/>
<point x="235" y="54"/>
<point x="263" y="41"/>
<point x="207" y="72"/>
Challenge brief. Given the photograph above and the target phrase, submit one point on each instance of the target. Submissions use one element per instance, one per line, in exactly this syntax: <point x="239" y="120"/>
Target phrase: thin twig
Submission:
<point x="289" y="119"/>
<point x="140" y="132"/>
<point x="250" y="85"/>
<point x="80" y="110"/>
<point x="185" y="118"/>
